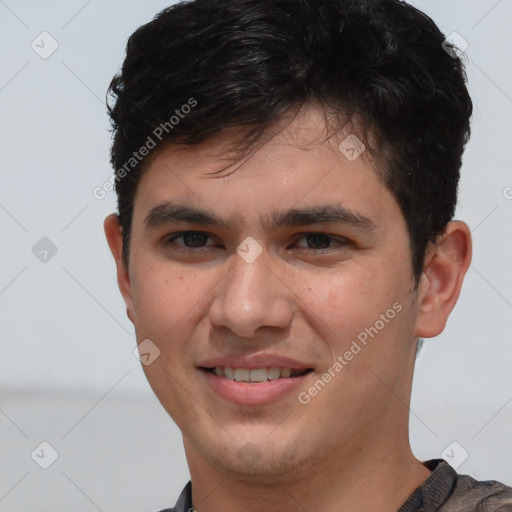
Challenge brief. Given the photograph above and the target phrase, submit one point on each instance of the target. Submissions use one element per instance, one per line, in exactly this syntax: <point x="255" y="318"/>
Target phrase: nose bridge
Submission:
<point x="245" y="285"/>
<point x="250" y="296"/>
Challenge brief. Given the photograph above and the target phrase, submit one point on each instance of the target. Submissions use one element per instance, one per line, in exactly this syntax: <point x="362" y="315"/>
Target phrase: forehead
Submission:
<point x="309" y="130"/>
<point x="298" y="164"/>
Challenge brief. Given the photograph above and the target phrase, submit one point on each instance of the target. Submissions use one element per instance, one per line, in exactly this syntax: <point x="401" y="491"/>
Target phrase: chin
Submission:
<point x="257" y="458"/>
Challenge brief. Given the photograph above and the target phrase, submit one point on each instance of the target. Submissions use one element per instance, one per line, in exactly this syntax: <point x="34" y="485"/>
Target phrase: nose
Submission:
<point x="250" y="297"/>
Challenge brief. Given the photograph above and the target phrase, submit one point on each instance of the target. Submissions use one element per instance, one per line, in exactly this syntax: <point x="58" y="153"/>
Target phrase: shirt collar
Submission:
<point x="435" y="490"/>
<point x="429" y="496"/>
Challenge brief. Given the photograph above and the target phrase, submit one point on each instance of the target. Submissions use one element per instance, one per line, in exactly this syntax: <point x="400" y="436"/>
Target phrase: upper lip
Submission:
<point x="254" y="361"/>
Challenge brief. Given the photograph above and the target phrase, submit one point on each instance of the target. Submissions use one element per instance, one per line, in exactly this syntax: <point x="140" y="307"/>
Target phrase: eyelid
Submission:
<point x="341" y="241"/>
<point x="321" y="233"/>
<point x="179" y="234"/>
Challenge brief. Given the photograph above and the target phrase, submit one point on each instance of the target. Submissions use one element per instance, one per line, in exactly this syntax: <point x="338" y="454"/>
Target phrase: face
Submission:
<point x="297" y="276"/>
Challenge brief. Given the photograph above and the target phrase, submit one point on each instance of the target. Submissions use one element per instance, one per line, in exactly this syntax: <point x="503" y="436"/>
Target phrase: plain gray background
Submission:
<point x="68" y="375"/>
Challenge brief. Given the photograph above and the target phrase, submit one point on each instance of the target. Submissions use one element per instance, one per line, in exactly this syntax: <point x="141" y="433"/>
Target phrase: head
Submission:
<point x="344" y="117"/>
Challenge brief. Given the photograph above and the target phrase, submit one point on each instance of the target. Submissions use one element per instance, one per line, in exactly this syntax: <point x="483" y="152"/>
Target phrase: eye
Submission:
<point x="191" y="239"/>
<point x="322" y="242"/>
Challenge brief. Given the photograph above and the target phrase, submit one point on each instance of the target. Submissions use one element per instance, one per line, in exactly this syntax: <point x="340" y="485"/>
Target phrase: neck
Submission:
<point x="378" y="479"/>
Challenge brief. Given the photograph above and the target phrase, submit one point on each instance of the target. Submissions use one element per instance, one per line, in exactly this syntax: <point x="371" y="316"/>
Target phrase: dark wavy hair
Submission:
<point x="247" y="63"/>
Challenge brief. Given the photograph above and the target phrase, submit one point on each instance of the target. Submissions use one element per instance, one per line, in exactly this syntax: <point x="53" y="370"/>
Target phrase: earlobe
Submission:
<point x="446" y="265"/>
<point x="113" y="233"/>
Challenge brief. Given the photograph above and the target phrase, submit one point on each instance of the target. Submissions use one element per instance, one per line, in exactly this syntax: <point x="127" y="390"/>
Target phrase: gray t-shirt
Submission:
<point x="443" y="491"/>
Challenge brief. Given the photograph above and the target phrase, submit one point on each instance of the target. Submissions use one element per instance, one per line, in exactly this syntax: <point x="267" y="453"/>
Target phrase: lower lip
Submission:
<point x="257" y="393"/>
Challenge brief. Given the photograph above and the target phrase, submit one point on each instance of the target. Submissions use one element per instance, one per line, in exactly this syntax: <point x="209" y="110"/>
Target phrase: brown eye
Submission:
<point x="191" y="239"/>
<point x="322" y="242"/>
<point x="319" y="241"/>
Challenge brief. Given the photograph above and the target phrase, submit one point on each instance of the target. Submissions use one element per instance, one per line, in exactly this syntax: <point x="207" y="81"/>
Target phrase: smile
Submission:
<point x="255" y="374"/>
<point x="254" y="386"/>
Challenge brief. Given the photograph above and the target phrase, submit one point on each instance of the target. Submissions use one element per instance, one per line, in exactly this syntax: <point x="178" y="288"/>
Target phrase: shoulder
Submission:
<point x="445" y="490"/>
<point x="474" y="495"/>
<point x="184" y="503"/>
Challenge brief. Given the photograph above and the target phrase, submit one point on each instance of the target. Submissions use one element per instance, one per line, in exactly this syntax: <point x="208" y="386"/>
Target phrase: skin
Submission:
<point x="348" y="448"/>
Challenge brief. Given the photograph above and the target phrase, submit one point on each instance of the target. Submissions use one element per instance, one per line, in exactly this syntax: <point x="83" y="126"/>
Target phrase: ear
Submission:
<point x="113" y="232"/>
<point x="446" y="264"/>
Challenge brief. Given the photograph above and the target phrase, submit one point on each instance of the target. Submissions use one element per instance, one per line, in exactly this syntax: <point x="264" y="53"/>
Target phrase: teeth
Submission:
<point x="273" y="373"/>
<point x="286" y="372"/>
<point x="255" y="374"/>
<point x="258" y="375"/>
<point x="241" y="374"/>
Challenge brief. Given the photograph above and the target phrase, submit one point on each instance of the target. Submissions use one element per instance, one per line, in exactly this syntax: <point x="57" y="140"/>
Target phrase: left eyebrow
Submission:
<point x="328" y="214"/>
<point x="169" y="213"/>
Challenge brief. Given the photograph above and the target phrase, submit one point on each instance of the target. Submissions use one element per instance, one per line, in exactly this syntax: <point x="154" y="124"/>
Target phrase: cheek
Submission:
<point x="351" y="305"/>
<point x="348" y="298"/>
<point x="168" y="305"/>
<point x="162" y="299"/>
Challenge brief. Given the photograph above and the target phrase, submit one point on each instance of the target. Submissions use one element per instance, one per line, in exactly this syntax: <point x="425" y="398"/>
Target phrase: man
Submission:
<point x="287" y="173"/>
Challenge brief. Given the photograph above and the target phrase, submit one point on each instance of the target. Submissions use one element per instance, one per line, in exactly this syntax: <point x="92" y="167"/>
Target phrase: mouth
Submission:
<point x="256" y="375"/>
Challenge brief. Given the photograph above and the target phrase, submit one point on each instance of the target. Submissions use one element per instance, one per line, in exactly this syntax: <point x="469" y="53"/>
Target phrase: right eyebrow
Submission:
<point x="171" y="213"/>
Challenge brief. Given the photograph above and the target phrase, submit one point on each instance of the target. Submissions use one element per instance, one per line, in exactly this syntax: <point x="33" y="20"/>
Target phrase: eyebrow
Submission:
<point x="172" y="213"/>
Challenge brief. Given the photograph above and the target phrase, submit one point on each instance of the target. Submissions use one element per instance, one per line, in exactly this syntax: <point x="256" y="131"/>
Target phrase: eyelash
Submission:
<point x="342" y="242"/>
